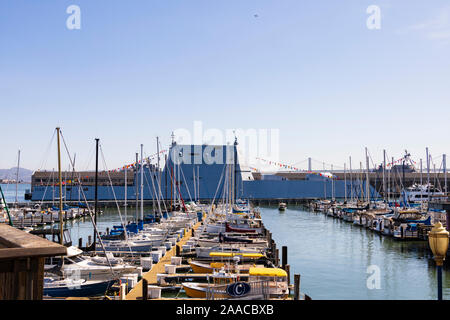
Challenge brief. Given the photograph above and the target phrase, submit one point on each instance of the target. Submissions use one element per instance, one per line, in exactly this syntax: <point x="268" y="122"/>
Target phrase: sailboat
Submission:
<point x="71" y="285"/>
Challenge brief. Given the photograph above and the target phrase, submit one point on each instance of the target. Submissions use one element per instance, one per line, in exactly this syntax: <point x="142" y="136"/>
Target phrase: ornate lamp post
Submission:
<point x="438" y="241"/>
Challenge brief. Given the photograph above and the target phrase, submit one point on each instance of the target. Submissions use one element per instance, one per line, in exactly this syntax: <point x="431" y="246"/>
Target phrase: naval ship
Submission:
<point x="196" y="171"/>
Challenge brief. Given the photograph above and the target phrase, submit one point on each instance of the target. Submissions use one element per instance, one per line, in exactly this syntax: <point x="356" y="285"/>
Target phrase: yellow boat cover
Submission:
<point x="232" y="254"/>
<point x="267" y="272"/>
<point x="217" y="265"/>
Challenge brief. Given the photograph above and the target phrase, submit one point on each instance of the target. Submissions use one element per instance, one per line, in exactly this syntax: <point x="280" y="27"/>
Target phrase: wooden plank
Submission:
<point x="150" y="276"/>
<point x="16" y="253"/>
<point x="16" y="243"/>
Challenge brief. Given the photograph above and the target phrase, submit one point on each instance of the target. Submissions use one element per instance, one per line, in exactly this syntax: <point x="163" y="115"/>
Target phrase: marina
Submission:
<point x="224" y="158"/>
<point x="192" y="248"/>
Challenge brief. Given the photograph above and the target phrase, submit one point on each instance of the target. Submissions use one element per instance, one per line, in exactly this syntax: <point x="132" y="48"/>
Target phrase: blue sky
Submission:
<point x="144" y="68"/>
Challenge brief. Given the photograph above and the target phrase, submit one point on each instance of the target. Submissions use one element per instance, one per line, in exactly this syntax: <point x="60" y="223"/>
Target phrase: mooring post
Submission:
<point x="89" y="241"/>
<point x="144" y="289"/>
<point x="287" y="268"/>
<point x="284" y="259"/>
<point x="296" y="287"/>
<point x="177" y="250"/>
<point x="80" y="242"/>
<point x="277" y="257"/>
<point x="107" y="231"/>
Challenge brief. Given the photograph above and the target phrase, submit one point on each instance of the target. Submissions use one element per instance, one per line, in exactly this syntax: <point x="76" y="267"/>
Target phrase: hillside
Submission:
<point x="10" y="174"/>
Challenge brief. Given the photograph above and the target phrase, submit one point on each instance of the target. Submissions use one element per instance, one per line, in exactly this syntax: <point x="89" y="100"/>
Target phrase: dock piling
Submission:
<point x="296" y="287"/>
<point x="287" y="268"/>
<point x="284" y="259"/>
<point x="144" y="289"/>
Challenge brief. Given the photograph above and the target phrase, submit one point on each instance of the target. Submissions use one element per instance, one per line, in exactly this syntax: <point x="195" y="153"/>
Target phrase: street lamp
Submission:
<point x="438" y="240"/>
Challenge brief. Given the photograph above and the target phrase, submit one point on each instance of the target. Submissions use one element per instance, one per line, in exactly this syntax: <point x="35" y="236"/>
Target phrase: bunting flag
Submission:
<point x="286" y="166"/>
<point x="278" y="164"/>
<point x="397" y="161"/>
<point x="134" y="164"/>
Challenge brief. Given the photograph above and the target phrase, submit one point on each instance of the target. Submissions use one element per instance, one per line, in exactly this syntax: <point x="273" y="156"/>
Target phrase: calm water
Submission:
<point x="9" y="191"/>
<point x="332" y="256"/>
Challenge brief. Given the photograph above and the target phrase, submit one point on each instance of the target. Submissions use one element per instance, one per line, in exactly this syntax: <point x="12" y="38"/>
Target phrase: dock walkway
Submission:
<point x="151" y="276"/>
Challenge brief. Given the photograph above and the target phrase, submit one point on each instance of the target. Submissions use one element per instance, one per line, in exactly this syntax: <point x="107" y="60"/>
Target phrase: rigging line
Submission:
<point x="115" y="200"/>
<point x="218" y="186"/>
<point x="90" y="214"/>
<point x="148" y="185"/>
<point x="187" y="187"/>
<point x="159" y="191"/>
<point x="89" y="158"/>
<point x="46" y="187"/>
<point x="153" y="184"/>
<point x="44" y="160"/>
<point x="297" y="163"/>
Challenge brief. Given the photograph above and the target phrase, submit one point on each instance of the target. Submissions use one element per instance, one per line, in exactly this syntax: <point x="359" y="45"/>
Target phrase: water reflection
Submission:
<point x="332" y="257"/>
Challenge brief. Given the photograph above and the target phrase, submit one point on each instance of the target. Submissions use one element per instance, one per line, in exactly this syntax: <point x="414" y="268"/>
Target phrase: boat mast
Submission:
<point x="126" y="193"/>
<point x="159" y="167"/>
<point x="136" y="181"/>
<point x="142" y="182"/>
<point x="392" y="175"/>
<point x="384" y="175"/>
<point x="361" y="191"/>
<point x="345" y="183"/>
<point x="428" y="175"/>
<point x="444" y="165"/>
<point x="332" y="184"/>
<point x="367" y="178"/>
<point x="17" y="177"/>
<point x="421" y="182"/>
<point x="198" y="184"/>
<point x="53" y="188"/>
<point x="351" y="180"/>
<point x="96" y="191"/>
<point x="61" y="239"/>
<point x="195" y="183"/>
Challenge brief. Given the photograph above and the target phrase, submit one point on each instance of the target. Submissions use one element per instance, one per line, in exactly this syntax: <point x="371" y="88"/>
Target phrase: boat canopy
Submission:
<point x="232" y="254"/>
<point x="267" y="272"/>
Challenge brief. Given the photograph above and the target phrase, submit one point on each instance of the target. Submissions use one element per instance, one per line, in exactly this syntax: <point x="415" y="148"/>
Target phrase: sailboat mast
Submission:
<point x="421" y="182"/>
<point x="96" y="191"/>
<point x="345" y="183"/>
<point x="444" y="167"/>
<point x="142" y="182"/>
<point x="198" y="184"/>
<point x="384" y="175"/>
<point x="17" y="178"/>
<point x="351" y="180"/>
<point x="136" y="181"/>
<point x="126" y="193"/>
<point x="159" y="167"/>
<point x="195" y="183"/>
<point x="61" y="239"/>
<point x="367" y="178"/>
<point x="332" y="184"/>
<point x="428" y="175"/>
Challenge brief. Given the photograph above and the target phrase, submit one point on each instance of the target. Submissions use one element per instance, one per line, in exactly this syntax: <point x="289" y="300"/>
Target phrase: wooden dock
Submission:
<point x="151" y="276"/>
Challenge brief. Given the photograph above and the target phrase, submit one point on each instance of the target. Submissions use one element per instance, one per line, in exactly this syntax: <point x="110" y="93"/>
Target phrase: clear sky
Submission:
<point x="138" y="69"/>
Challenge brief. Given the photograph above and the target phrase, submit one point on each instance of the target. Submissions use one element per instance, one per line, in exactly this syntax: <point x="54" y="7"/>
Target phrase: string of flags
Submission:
<point x="134" y="164"/>
<point x="285" y="166"/>
<point x="397" y="161"/>
<point x="278" y="164"/>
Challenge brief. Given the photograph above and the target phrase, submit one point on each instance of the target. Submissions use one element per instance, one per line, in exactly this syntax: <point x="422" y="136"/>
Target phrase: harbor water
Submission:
<point x="9" y="190"/>
<point x="336" y="259"/>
